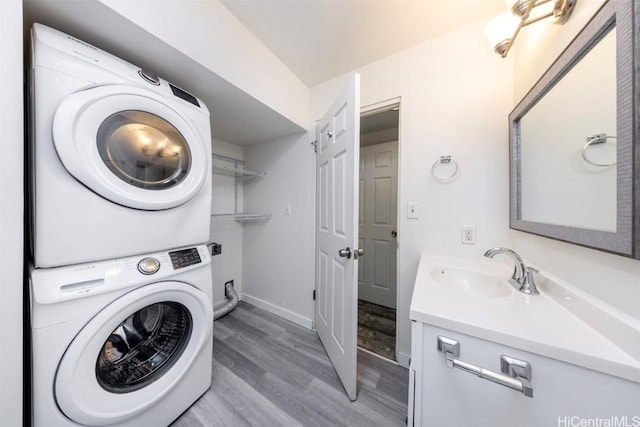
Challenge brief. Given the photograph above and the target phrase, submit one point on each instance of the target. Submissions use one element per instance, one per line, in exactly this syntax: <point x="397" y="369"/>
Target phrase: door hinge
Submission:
<point x="314" y="294"/>
<point x="315" y="146"/>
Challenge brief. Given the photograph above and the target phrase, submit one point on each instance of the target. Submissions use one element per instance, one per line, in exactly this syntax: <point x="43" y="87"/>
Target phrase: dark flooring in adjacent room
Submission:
<point x="268" y="371"/>
<point x="377" y="329"/>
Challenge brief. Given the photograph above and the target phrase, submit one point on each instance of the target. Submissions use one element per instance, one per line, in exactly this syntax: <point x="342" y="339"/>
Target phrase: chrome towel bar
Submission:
<point x="516" y="374"/>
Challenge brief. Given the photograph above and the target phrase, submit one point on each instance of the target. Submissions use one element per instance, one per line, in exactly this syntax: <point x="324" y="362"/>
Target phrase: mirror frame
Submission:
<point x="625" y="240"/>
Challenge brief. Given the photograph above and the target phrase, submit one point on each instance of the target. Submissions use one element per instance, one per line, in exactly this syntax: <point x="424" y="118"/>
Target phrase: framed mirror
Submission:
<point x="575" y="140"/>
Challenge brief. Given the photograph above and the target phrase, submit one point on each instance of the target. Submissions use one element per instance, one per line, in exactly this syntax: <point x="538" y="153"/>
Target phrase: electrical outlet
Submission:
<point x="216" y="248"/>
<point x="412" y="210"/>
<point x="287" y="209"/>
<point x="469" y="235"/>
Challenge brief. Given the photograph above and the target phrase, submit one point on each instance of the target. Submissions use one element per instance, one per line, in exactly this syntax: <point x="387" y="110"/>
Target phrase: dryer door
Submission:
<point x="131" y="146"/>
<point x="132" y="353"/>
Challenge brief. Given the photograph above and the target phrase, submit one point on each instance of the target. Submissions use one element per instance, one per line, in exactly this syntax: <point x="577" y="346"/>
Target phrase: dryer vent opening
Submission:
<point x="232" y="301"/>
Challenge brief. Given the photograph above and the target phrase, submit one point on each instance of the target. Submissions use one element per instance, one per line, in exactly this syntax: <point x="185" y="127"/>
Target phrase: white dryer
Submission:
<point x="120" y="159"/>
<point x="124" y="342"/>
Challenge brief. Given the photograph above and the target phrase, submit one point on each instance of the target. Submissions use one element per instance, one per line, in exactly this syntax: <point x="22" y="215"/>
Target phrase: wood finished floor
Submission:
<point x="268" y="371"/>
<point x="377" y="329"/>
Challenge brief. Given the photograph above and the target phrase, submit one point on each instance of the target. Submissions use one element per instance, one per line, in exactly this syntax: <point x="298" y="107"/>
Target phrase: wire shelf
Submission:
<point x="236" y="172"/>
<point x="242" y="216"/>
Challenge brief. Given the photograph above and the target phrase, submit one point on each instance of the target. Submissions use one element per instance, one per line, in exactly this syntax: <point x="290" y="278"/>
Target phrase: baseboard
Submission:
<point x="278" y="311"/>
<point x="403" y="359"/>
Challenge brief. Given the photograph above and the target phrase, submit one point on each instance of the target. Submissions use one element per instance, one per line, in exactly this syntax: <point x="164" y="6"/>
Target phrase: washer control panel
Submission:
<point x="184" y="258"/>
<point x="149" y="265"/>
<point x="51" y="285"/>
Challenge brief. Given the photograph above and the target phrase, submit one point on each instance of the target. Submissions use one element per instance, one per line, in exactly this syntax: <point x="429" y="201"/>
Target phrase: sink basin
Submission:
<point x="472" y="296"/>
<point x="471" y="282"/>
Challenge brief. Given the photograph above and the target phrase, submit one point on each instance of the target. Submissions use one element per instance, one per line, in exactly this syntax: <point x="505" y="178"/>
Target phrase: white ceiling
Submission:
<point x="322" y="39"/>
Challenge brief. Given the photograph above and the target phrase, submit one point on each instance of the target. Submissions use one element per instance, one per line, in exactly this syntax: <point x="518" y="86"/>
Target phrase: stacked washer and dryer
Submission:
<point x="120" y="283"/>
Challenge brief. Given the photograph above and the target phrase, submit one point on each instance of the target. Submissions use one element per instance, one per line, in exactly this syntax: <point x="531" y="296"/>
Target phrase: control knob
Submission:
<point x="149" y="77"/>
<point x="148" y="265"/>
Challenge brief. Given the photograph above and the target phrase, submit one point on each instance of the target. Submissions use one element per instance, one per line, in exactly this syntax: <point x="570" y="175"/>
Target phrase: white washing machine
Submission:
<point x="124" y="342"/>
<point x="120" y="159"/>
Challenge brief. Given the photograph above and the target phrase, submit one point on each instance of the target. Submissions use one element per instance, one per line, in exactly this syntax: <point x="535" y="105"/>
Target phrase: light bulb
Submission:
<point x="501" y="29"/>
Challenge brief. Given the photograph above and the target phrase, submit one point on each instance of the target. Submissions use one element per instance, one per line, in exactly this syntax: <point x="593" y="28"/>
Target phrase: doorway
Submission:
<point x="378" y="181"/>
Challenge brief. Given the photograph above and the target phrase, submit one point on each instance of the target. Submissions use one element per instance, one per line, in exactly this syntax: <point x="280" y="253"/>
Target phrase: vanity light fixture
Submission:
<point x="504" y="28"/>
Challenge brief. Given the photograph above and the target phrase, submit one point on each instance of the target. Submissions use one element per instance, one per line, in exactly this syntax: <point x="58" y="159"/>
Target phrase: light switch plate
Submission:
<point x="412" y="210"/>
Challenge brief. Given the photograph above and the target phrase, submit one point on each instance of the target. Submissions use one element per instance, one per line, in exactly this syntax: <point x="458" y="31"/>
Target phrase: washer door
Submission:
<point x="132" y="353"/>
<point x="129" y="145"/>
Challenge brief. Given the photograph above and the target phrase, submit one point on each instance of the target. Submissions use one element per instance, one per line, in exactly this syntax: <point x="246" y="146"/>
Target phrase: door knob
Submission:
<point x="394" y="233"/>
<point x="329" y="134"/>
<point x="358" y="253"/>
<point x="345" y="253"/>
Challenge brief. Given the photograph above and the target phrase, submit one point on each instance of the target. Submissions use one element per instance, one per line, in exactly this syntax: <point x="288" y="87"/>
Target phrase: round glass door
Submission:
<point x="133" y="147"/>
<point x="143" y="149"/>
<point x="143" y="347"/>
<point x="134" y="353"/>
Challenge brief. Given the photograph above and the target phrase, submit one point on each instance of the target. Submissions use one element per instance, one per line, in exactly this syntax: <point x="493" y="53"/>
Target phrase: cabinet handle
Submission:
<point x="515" y="373"/>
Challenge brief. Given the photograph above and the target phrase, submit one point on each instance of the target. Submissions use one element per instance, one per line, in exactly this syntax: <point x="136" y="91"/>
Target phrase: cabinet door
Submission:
<point x="563" y="393"/>
<point x="415" y="375"/>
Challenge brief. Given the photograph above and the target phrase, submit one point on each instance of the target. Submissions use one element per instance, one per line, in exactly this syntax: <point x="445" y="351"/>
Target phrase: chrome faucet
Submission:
<point x="522" y="277"/>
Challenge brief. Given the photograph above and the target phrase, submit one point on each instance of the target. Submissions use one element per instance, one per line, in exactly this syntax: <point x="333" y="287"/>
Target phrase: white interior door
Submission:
<point x="378" y="223"/>
<point x="338" y="139"/>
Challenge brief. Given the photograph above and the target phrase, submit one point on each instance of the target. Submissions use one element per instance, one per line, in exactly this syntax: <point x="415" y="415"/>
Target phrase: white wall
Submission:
<point x="455" y="98"/>
<point x="537" y="46"/>
<point x="11" y="215"/>
<point x="210" y="34"/>
<point x="228" y="265"/>
<point x="614" y="279"/>
<point x="278" y="262"/>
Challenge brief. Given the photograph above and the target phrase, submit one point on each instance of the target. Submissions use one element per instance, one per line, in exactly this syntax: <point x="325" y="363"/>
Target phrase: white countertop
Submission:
<point x="560" y="322"/>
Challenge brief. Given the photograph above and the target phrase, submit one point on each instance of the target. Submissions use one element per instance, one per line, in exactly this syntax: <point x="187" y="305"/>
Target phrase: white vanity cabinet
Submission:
<point x="584" y="356"/>
<point x="563" y="394"/>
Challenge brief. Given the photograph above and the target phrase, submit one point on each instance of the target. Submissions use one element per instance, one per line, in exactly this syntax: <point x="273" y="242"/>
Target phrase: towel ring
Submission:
<point x="444" y="160"/>
<point x="598" y="138"/>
